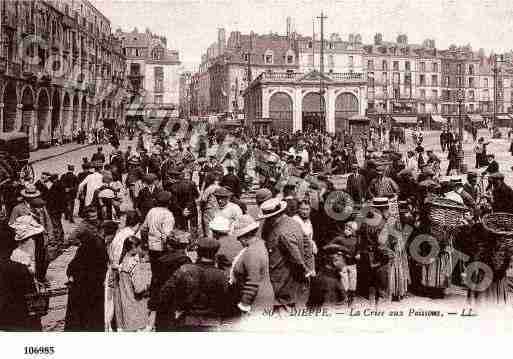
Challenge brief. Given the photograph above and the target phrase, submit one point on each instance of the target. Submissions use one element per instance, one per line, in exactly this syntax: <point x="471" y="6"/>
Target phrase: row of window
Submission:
<point x="396" y="79"/>
<point x="331" y="61"/>
<point x="423" y="67"/>
<point x="459" y="81"/>
<point x="395" y="65"/>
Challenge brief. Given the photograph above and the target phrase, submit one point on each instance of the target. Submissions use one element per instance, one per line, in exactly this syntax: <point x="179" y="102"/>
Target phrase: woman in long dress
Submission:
<point x="134" y="283"/>
<point x="86" y="275"/>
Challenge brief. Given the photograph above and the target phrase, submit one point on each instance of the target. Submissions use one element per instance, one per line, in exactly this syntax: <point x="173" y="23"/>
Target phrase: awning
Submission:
<point x="438" y="118"/>
<point x="406" y="120"/>
<point x="503" y="117"/>
<point x="475" y="118"/>
<point x="358" y="118"/>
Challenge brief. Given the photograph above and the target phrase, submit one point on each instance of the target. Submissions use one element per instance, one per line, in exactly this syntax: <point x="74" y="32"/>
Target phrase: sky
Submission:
<point x="191" y="25"/>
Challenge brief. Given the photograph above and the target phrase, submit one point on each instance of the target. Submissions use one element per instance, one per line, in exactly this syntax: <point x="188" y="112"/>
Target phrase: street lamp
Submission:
<point x="460" y="156"/>
<point x="496" y="71"/>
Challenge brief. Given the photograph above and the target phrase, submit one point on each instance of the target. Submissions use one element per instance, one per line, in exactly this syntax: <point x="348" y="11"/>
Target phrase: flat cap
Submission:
<point x="207" y="248"/>
<point x="222" y="192"/>
<point x="335" y="249"/>
<point x="163" y="197"/>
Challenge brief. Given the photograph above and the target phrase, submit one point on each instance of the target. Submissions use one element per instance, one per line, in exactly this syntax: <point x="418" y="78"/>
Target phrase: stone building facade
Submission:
<point x="61" y="70"/>
<point x="153" y="72"/>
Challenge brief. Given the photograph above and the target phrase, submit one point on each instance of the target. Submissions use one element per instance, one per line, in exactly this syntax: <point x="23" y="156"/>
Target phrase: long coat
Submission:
<point x="200" y="291"/>
<point x="251" y="277"/>
<point x="16" y="282"/>
<point x="86" y="299"/>
<point x="285" y="243"/>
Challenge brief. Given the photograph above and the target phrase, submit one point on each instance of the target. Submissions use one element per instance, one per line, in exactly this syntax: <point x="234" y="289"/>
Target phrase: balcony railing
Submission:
<point x="295" y="76"/>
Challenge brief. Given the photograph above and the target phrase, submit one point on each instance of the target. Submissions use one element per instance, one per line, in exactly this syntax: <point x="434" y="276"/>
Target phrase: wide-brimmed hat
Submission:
<point x="25" y="227"/>
<point x="30" y="191"/>
<point x="456" y="180"/>
<point x="107" y="193"/>
<point x="134" y="161"/>
<point x="244" y="225"/>
<point x="272" y="207"/>
<point x="222" y="192"/>
<point x="220" y="224"/>
<point x="262" y="195"/>
<point x="380" y="202"/>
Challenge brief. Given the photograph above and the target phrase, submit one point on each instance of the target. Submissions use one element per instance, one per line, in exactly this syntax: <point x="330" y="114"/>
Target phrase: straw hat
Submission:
<point x="380" y="202"/>
<point x="244" y="225"/>
<point x="272" y="207"/>
<point x="220" y="224"/>
<point x="107" y="193"/>
<point x="30" y="191"/>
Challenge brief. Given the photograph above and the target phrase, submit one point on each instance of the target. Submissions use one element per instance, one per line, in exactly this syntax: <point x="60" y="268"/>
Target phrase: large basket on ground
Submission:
<point x="443" y="212"/>
<point x="495" y="247"/>
<point x="498" y="223"/>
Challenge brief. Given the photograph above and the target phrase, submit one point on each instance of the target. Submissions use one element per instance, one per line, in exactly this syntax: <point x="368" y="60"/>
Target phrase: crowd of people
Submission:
<point x="203" y="233"/>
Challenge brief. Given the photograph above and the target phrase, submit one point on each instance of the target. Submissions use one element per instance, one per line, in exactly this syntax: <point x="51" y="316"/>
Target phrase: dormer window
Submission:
<point x="157" y="53"/>
<point x="290" y="57"/>
<point x="268" y="57"/>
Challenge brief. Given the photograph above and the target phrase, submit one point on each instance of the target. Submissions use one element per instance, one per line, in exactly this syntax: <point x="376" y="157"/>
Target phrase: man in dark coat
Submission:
<point x="471" y="185"/>
<point x="146" y="199"/>
<point x="172" y="259"/>
<point x="69" y="183"/>
<point x="98" y="156"/>
<point x="117" y="165"/>
<point x="356" y="185"/>
<point x="502" y="193"/>
<point x="184" y="208"/>
<point x="199" y="291"/>
<point x="287" y="247"/>
<point x="443" y="140"/>
<point x="56" y="207"/>
<point x="231" y="181"/>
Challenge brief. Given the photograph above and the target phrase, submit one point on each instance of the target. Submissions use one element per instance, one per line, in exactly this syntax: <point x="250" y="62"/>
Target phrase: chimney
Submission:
<point x="378" y="39"/>
<point x="221" y="40"/>
<point x="289" y="26"/>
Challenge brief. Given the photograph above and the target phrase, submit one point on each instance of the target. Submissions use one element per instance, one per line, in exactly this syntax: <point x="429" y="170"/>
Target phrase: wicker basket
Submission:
<point x="499" y="223"/>
<point x="496" y="247"/>
<point x="444" y="212"/>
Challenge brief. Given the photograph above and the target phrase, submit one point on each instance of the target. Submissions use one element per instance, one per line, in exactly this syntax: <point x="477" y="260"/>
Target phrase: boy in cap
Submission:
<point x="327" y="288"/>
<point x="198" y="291"/>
